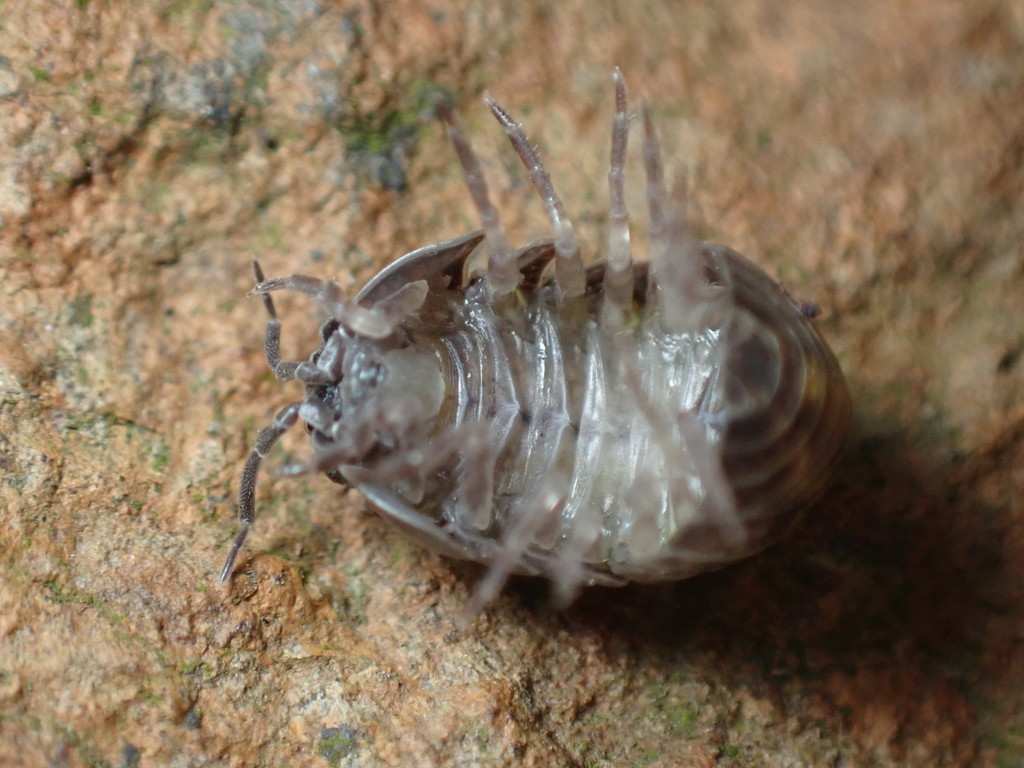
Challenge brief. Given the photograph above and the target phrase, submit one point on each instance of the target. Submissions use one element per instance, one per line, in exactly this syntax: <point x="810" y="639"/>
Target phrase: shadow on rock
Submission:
<point x="893" y="568"/>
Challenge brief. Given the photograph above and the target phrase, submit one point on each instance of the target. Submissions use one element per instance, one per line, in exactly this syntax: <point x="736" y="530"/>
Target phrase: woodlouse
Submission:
<point x="624" y="421"/>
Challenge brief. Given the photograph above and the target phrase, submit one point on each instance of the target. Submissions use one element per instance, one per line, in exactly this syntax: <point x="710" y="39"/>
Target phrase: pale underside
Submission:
<point x="606" y="445"/>
<point x="624" y="421"/>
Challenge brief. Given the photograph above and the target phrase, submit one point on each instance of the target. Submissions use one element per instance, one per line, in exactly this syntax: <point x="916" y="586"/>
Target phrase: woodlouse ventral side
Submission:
<point x="622" y="421"/>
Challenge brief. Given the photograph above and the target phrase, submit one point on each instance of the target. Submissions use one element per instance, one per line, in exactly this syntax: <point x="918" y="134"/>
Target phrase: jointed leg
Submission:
<point x="284" y="370"/>
<point x="618" y="278"/>
<point x="655" y="180"/>
<point x="719" y="499"/>
<point x="529" y="515"/>
<point x="686" y="300"/>
<point x="568" y="265"/>
<point x="502" y="274"/>
<point x="374" y="322"/>
<point x="284" y="420"/>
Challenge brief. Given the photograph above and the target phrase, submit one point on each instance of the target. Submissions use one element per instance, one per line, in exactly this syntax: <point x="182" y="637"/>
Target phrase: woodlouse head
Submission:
<point x="368" y="392"/>
<point x="366" y="395"/>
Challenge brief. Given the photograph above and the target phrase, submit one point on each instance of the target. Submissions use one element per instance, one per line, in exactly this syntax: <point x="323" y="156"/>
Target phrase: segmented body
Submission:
<point x="627" y="421"/>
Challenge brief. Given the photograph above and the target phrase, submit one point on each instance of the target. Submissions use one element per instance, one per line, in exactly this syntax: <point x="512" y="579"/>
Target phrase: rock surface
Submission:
<point x="871" y="155"/>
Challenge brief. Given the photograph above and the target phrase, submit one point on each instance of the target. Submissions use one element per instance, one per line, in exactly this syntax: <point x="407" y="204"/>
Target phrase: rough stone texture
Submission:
<point x="869" y="154"/>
